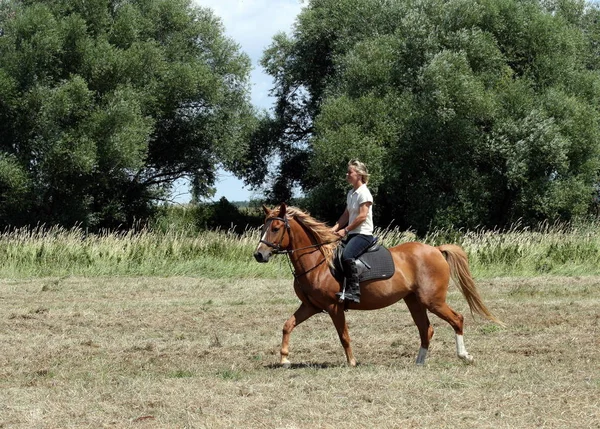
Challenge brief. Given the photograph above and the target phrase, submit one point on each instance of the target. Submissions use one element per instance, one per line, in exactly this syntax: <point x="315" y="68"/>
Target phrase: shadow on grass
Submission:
<point x="324" y="365"/>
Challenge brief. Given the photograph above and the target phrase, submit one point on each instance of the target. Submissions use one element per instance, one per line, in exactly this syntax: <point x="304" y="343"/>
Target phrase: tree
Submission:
<point x="469" y="113"/>
<point x="105" y="103"/>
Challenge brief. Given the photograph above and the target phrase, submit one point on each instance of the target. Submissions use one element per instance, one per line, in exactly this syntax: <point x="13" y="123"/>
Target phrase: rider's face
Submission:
<point x="352" y="176"/>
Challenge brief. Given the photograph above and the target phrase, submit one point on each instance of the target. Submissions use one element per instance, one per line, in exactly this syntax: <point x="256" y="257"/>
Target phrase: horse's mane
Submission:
<point x="320" y="230"/>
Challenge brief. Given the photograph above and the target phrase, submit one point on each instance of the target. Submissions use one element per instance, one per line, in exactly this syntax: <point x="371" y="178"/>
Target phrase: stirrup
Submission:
<point x="346" y="296"/>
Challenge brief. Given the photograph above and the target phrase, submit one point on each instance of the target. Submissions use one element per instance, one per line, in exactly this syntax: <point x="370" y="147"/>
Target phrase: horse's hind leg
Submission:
<point x="304" y="312"/>
<point x="455" y="320"/>
<point x="419" y="315"/>
<point x="339" y="320"/>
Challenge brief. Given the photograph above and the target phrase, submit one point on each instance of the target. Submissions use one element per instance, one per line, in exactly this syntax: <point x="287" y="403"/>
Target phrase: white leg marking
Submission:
<point x="260" y="242"/>
<point x="421" y="356"/>
<point x="461" y="350"/>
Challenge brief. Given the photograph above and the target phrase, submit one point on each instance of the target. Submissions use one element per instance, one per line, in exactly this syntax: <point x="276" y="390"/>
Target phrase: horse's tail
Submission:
<point x="461" y="274"/>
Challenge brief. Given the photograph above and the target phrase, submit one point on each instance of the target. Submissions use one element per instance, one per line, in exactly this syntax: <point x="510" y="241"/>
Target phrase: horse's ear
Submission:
<point x="282" y="210"/>
<point x="266" y="210"/>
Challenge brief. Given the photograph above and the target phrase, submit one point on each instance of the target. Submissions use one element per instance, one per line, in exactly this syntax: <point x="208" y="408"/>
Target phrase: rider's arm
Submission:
<point x="342" y="221"/>
<point x="363" y="211"/>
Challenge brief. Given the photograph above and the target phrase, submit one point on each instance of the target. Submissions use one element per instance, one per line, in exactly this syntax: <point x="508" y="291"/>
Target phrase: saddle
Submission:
<point x="375" y="263"/>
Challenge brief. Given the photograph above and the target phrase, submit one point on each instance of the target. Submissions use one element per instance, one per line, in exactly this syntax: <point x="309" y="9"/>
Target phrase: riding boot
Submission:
<point x="352" y="292"/>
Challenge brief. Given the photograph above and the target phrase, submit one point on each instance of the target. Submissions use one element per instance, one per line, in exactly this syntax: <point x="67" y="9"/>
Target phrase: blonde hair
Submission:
<point x="361" y="169"/>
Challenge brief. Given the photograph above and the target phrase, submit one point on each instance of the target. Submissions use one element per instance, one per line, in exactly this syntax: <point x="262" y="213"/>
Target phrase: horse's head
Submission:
<point x="275" y="237"/>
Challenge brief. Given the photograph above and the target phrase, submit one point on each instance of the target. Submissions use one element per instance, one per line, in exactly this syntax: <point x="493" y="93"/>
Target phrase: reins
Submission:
<point x="290" y="251"/>
<point x="297" y="276"/>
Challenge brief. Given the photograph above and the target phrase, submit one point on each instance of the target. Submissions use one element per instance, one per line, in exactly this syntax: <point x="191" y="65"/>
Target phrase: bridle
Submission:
<point x="279" y="250"/>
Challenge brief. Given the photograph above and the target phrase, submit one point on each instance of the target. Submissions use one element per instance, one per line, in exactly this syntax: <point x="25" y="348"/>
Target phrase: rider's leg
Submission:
<point x="355" y="246"/>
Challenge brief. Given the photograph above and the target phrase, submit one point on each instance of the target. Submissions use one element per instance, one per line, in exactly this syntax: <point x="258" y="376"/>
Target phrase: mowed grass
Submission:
<point x="183" y="352"/>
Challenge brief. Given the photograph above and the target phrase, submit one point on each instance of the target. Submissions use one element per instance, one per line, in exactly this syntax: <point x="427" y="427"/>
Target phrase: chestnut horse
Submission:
<point x="421" y="278"/>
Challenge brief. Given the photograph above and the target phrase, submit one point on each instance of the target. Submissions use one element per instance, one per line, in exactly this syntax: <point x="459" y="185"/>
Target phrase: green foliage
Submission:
<point x="468" y="113"/>
<point x="195" y="218"/>
<point x="13" y="186"/>
<point x="103" y="105"/>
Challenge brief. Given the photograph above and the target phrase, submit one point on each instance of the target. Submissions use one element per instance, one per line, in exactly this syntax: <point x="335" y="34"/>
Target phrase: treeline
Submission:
<point x="228" y="216"/>
<point x="469" y="113"/>
<point x="220" y="215"/>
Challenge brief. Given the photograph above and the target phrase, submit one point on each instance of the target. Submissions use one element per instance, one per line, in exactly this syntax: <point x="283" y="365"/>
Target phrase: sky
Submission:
<point x="252" y="24"/>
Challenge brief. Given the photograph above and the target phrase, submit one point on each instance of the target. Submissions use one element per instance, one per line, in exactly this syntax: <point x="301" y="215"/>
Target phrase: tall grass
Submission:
<point x="61" y="252"/>
<point x="552" y="249"/>
<point x="549" y="249"/>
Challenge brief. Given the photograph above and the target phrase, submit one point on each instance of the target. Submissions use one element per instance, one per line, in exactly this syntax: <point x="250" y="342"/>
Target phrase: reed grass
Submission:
<point x="550" y="249"/>
<point x="56" y="251"/>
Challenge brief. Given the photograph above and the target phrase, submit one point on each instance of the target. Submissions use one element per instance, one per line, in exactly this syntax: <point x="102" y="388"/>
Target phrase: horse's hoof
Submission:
<point x="467" y="358"/>
<point x="286" y="365"/>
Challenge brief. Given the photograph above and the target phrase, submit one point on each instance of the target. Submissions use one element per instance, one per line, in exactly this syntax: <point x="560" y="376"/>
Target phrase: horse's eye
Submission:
<point x="275" y="229"/>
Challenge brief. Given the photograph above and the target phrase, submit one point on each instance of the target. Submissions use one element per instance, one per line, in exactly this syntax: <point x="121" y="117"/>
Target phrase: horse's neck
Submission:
<point x="309" y="253"/>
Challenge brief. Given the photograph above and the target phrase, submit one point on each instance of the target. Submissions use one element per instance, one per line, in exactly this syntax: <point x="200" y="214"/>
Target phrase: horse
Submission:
<point x="421" y="278"/>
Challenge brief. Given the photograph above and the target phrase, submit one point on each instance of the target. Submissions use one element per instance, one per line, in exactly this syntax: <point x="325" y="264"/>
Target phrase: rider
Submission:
<point x="356" y="225"/>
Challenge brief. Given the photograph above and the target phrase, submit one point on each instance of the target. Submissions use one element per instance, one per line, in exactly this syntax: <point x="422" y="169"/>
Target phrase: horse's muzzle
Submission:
<point x="260" y="257"/>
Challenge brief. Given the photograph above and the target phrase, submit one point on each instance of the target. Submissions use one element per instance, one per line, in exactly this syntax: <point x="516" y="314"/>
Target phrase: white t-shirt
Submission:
<point x="354" y="200"/>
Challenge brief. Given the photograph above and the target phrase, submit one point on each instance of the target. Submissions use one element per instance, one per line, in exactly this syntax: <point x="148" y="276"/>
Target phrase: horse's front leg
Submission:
<point x="339" y="320"/>
<point x="305" y="311"/>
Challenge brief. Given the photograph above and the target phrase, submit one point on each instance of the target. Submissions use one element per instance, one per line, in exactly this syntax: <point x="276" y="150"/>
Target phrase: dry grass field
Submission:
<point x="180" y="352"/>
